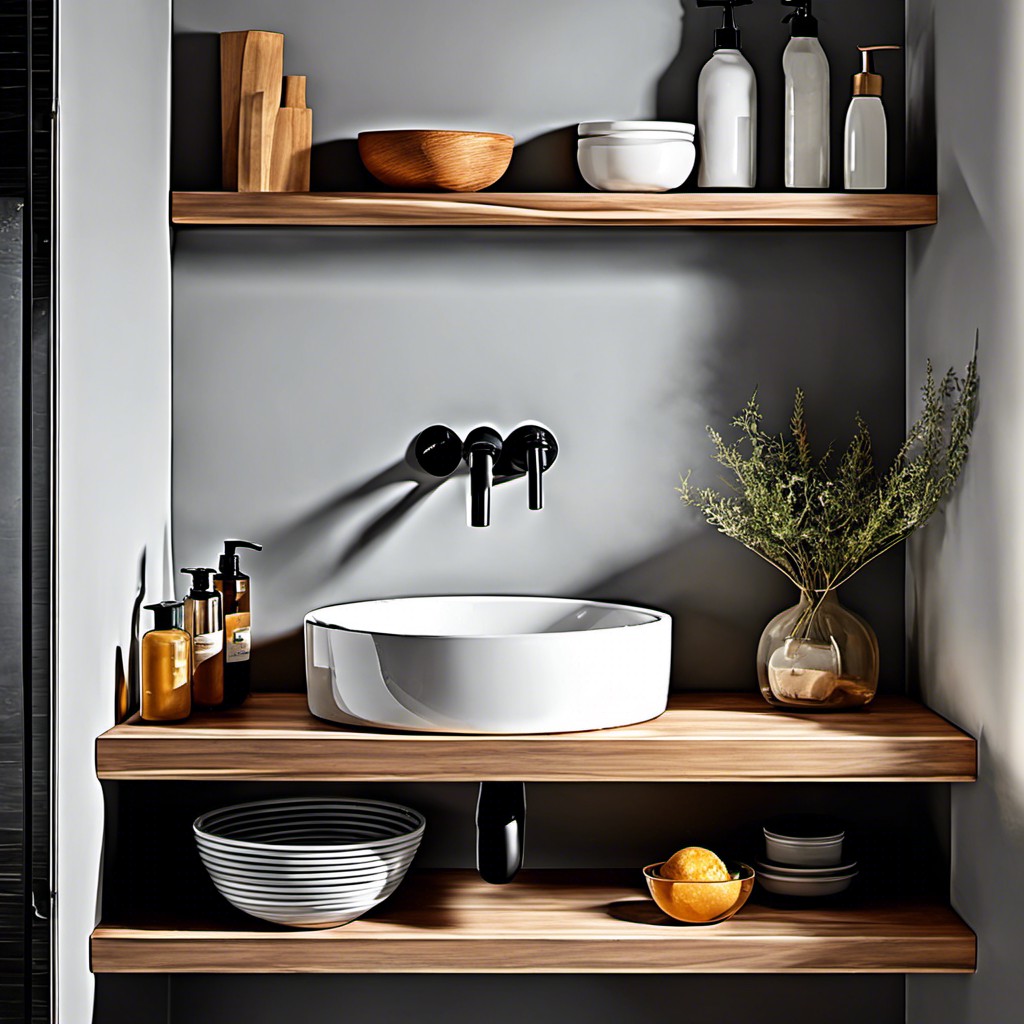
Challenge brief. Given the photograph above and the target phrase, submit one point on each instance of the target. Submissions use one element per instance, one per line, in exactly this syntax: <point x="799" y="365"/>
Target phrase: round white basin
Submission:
<point x="487" y="664"/>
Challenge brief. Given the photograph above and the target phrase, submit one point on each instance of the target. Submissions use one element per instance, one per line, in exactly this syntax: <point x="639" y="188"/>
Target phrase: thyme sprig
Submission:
<point x="821" y="520"/>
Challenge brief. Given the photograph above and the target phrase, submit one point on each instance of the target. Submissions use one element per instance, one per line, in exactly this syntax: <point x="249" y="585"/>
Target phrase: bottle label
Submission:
<point x="239" y="640"/>
<point x="206" y="646"/>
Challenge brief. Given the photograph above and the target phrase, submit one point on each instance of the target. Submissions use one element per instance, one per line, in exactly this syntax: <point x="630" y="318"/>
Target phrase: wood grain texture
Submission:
<point x="232" y="47"/>
<point x="568" y="209"/>
<point x="553" y="922"/>
<point x="458" y="161"/>
<point x="251" y="63"/>
<point x="292" y="149"/>
<point x="294" y="92"/>
<point x="722" y="737"/>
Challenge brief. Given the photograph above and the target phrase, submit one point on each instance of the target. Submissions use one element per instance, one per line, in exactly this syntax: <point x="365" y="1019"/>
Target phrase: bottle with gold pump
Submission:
<point x="166" y="666"/>
<point x="235" y="588"/>
<point x="867" y="133"/>
<point x="204" y="621"/>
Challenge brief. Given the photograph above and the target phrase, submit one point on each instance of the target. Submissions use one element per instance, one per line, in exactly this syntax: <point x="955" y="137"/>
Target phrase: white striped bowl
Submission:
<point x="308" y="862"/>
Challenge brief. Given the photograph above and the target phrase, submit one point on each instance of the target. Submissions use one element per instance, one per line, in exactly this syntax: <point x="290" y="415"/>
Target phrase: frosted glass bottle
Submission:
<point x="807" y="114"/>
<point x="867" y="135"/>
<point x="727" y="121"/>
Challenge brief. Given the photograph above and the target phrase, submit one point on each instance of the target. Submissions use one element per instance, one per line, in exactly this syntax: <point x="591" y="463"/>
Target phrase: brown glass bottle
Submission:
<point x="166" y="666"/>
<point x="235" y="588"/>
<point x="204" y="622"/>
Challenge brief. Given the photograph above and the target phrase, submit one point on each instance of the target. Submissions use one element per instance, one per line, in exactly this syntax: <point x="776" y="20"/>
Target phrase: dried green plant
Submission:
<point x="821" y="520"/>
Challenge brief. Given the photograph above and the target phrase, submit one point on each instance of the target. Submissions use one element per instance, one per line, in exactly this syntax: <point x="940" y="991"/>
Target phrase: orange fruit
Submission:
<point x="695" y="864"/>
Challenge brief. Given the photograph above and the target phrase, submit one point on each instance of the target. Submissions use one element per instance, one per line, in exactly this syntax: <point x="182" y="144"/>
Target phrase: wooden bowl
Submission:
<point x="456" y="161"/>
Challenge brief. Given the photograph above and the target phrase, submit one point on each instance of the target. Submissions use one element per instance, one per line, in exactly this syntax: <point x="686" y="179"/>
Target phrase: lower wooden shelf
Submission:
<point x="551" y="922"/>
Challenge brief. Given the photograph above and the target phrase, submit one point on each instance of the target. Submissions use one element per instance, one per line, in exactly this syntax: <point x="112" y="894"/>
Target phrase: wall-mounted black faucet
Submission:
<point x="481" y="452"/>
<point x="530" y="450"/>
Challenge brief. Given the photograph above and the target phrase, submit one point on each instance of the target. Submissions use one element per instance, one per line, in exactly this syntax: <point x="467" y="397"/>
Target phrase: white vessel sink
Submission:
<point x="487" y="664"/>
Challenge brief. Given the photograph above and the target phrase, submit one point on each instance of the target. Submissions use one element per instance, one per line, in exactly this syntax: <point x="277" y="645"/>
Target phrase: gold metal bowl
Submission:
<point x="700" y="902"/>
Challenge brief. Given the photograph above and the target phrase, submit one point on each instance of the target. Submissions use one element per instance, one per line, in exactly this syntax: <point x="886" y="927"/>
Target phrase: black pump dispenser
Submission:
<point x="803" y="21"/>
<point x="728" y="36"/>
<point x="202" y="585"/>
<point x="228" y="563"/>
<point x="167" y="614"/>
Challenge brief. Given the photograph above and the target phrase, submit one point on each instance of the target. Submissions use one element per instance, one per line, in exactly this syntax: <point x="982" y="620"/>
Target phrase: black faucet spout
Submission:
<point x="481" y="452"/>
<point x="500" y="830"/>
<point x="531" y="449"/>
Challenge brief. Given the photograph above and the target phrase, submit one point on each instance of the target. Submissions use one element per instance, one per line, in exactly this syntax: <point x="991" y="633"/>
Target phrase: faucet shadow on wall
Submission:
<point x="297" y="537"/>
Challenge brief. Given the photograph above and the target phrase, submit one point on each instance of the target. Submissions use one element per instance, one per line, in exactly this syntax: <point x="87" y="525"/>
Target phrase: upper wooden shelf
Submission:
<point x="553" y="209"/>
<point x="720" y="737"/>
<point x="550" y="922"/>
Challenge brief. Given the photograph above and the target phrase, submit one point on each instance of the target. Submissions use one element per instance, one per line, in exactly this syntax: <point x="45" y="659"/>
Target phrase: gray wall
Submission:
<point x="966" y="588"/>
<point x="304" y="365"/>
<point x="304" y="362"/>
<point x="112" y="415"/>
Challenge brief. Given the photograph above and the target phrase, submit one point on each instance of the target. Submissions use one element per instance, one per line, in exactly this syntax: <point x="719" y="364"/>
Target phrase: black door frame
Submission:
<point x="26" y="534"/>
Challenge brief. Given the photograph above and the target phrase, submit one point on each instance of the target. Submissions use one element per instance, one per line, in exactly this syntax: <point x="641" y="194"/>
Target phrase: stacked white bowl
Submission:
<point x="636" y="156"/>
<point x="308" y="862"/>
<point x="805" y="857"/>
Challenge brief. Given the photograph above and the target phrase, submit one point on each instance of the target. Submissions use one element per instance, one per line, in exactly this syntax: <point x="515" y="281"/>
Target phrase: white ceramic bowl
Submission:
<point x="789" y="885"/>
<point x="633" y="164"/>
<point x="784" y="869"/>
<point x="308" y="862"/>
<point x="804" y="854"/>
<point x="592" y="128"/>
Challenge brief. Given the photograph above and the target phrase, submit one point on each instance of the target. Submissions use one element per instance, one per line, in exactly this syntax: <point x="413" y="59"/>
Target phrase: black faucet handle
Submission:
<point x="437" y="450"/>
<point x="481" y="451"/>
<point x="531" y="449"/>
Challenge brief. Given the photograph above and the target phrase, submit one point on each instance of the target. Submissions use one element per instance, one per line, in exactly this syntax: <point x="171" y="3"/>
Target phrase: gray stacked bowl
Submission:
<point x="308" y="862"/>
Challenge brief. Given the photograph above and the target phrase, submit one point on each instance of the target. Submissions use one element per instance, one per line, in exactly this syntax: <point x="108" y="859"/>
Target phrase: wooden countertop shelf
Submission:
<point x="702" y="737"/>
<point x="556" y="209"/>
<point x="552" y="922"/>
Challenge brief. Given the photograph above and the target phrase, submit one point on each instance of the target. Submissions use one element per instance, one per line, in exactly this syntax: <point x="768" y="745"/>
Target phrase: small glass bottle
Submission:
<point x="818" y="656"/>
<point x="166" y="666"/>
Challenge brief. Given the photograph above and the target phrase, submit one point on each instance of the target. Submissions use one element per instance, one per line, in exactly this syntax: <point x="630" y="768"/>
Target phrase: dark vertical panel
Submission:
<point x="12" y="710"/>
<point x="39" y="536"/>
<point x="26" y="102"/>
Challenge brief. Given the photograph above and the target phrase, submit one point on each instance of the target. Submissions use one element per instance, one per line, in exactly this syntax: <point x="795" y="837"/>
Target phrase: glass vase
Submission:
<point x="818" y="656"/>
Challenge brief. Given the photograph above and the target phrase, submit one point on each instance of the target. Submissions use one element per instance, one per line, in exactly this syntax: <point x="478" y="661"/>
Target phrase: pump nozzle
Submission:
<point x="201" y="580"/>
<point x="728" y="36"/>
<point x="805" y="24"/>
<point x="229" y="559"/>
<point x="167" y="614"/>
<point x="866" y="82"/>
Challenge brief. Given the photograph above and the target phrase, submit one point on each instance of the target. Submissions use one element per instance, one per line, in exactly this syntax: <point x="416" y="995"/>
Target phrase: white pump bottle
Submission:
<point x="727" y="109"/>
<point x="867" y="133"/>
<point x="807" y="101"/>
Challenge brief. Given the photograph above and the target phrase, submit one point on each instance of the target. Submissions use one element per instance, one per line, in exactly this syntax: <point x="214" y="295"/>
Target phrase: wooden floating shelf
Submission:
<point x="719" y="737"/>
<point x="553" y="922"/>
<point x="553" y="209"/>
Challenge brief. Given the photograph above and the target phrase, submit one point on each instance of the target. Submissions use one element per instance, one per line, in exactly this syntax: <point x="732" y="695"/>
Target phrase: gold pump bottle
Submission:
<point x="236" y="590"/>
<point x="166" y="666"/>
<point x="204" y="621"/>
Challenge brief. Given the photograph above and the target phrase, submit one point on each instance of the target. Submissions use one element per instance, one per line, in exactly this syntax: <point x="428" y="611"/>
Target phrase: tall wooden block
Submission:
<point x="251" y="63"/>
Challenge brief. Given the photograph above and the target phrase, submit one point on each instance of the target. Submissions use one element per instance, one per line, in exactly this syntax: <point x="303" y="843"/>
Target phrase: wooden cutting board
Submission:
<point x="293" y="139"/>
<point x="251" y="63"/>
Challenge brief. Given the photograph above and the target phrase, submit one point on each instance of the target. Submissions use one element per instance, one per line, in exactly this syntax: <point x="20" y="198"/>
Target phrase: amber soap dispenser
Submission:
<point x="204" y="621"/>
<point x="235" y="589"/>
<point x="166" y="666"/>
